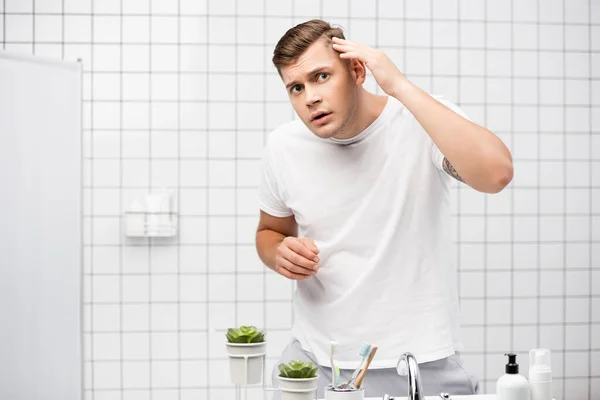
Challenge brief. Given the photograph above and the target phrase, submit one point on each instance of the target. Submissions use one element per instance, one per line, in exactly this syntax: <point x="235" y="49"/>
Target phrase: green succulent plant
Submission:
<point x="245" y="334"/>
<point x="297" y="369"/>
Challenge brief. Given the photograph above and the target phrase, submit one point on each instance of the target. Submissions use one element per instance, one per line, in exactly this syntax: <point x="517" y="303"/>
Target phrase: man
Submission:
<point x="355" y="207"/>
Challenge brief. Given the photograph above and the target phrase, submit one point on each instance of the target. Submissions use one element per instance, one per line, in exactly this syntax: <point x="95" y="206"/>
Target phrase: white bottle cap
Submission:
<point x="540" y="367"/>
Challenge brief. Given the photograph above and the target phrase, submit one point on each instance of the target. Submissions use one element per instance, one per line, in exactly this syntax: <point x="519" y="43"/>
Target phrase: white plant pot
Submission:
<point x="246" y="362"/>
<point x="298" y="389"/>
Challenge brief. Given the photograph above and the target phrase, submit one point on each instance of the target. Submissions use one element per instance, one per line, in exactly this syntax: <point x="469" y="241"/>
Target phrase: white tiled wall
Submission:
<point x="182" y="94"/>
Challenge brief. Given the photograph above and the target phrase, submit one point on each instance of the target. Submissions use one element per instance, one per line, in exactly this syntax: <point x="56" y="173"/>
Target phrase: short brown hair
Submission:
<point x="299" y="38"/>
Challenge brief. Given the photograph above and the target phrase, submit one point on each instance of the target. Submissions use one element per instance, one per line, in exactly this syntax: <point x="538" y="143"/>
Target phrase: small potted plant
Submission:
<point x="246" y="347"/>
<point x="298" y="380"/>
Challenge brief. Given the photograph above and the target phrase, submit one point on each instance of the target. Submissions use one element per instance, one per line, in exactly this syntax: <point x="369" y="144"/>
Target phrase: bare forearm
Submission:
<point x="477" y="156"/>
<point x="266" y="246"/>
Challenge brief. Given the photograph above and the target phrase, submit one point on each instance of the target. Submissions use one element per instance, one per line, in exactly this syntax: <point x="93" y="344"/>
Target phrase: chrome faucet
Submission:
<point x="408" y="366"/>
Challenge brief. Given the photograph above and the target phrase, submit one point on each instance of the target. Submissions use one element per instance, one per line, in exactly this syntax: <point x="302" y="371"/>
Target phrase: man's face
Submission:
<point x="322" y="90"/>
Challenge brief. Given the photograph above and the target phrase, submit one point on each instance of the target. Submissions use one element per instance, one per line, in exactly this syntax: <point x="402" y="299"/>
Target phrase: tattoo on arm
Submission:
<point x="451" y="171"/>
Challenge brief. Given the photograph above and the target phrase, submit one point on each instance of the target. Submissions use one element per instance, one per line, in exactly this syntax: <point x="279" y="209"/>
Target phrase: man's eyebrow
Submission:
<point x="312" y="72"/>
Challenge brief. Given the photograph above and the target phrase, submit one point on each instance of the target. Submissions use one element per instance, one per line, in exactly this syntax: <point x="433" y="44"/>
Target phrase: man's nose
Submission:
<point x="312" y="97"/>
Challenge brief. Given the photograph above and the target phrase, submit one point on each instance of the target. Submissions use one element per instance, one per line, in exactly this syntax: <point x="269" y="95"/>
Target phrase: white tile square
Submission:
<point x="473" y="338"/>
<point x="135" y="143"/>
<point x="552" y="201"/>
<point x="417" y="9"/>
<point x="165" y="374"/>
<point x="221" y="87"/>
<point x="578" y="201"/>
<point x="77" y="29"/>
<point x="164" y="30"/>
<point x="445" y="9"/>
<point x="472" y="34"/>
<point x="106" y="29"/>
<point x="498" y="35"/>
<point x="525" y="91"/>
<point x="190" y="7"/>
<point x="248" y="172"/>
<point x="250" y="7"/>
<point x="193" y="288"/>
<point x="136" y="288"/>
<point x="220" y="32"/>
<point x="163" y="259"/>
<point x="193" y="373"/>
<point x="498" y="229"/>
<point x="105" y="260"/>
<point x="550" y="38"/>
<point x="222" y="173"/>
<point x="525" y="11"/>
<point x="472" y="311"/>
<point x="136" y="116"/>
<point x="498" y="339"/>
<point x="163" y="144"/>
<point x="48" y="28"/>
<point x="193" y="87"/>
<point x="135" y="7"/>
<point x="221" y="230"/>
<point x="524" y="283"/>
<point x="163" y="317"/>
<point x="136" y="317"/>
<point x="136" y="29"/>
<point x="551" y="174"/>
<point x="106" y="202"/>
<point x="471" y="284"/>
<point x="472" y="229"/>
<point x="578" y="255"/>
<point x="447" y="86"/>
<point x="498" y="284"/>
<point x="136" y="374"/>
<point x="193" y="173"/>
<point x="279" y="315"/>
<point x="254" y="88"/>
<point x="577" y="65"/>
<point x="192" y="230"/>
<point x="164" y="7"/>
<point x="250" y="144"/>
<point x="105" y="289"/>
<point x="164" y="115"/>
<point x="277" y="114"/>
<point x="472" y="62"/>
<point x="221" y="316"/>
<point x="577" y="119"/>
<point x="106" y="115"/>
<point x="498" y="11"/>
<point x="107" y="7"/>
<point x="105" y="172"/>
<point x="552" y="146"/>
<point x="193" y="202"/>
<point x="365" y="32"/>
<point x="551" y="337"/>
<point x="471" y="257"/>
<point x="525" y="338"/>
<point x="164" y="87"/>
<point x="552" y="283"/>
<point x="46" y="50"/>
<point x="418" y="33"/>
<point x="135" y="259"/>
<point x="18" y="28"/>
<point x="276" y="28"/>
<point x="192" y="116"/>
<point x="525" y="63"/>
<point x="551" y="310"/>
<point x="525" y="229"/>
<point x="577" y="11"/>
<point x="578" y="173"/>
<point x="136" y="173"/>
<point x="577" y="228"/>
<point x="105" y="318"/>
<point x="164" y="345"/>
<point x="18" y="6"/>
<point x="250" y="287"/>
<point x="107" y="375"/>
<point x="193" y="344"/>
<point x="222" y="259"/>
<point x="221" y="201"/>
<point x="277" y="287"/>
<point x="551" y="64"/>
<point x="136" y="87"/>
<point x="551" y="228"/>
<point x="107" y="57"/>
<point x="247" y="202"/>
<point x="193" y="316"/>
<point x="251" y="261"/>
<point x="551" y="91"/>
<point x="135" y="57"/>
<point x="445" y="33"/>
<point x="193" y="29"/>
<point x="498" y="63"/>
<point x="578" y="283"/>
<point x="251" y="313"/>
<point x="445" y="61"/>
<point x="526" y="201"/>
<point x="164" y="288"/>
<point x="551" y="256"/>
<point x="498" y="311"/>
<point x="524" y="256"/>
<point x="418" y="61"/>
<point x="246" y="231"/>
<point x="577" y="37"/>
<point x="471" y="202"/>
<point x="359" y="8"/>
<point x="166" y="58"/>
<point x="390" y="33"/>
<point x="552" y="11"/>
<point x="247" y="59"/>
<point x="250" y="30"/>
<point x="576" y="365"/>
<point x="525" y="311"/>
<point x="77" y="6"/>
<point x="106" y="86"/>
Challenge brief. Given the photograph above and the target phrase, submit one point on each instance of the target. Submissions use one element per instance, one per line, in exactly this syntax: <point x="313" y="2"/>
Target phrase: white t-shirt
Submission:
<point x="378" y="208"/>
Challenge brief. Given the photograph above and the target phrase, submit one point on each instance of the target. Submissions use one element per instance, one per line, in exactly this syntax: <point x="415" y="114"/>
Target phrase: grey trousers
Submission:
<point x="445" y="375"/>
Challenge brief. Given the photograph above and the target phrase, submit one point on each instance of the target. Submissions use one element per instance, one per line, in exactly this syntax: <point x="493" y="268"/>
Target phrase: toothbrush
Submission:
<point x="361" y="376"/>
<point x="364" y="353"/>
<point x="333" y="348"/>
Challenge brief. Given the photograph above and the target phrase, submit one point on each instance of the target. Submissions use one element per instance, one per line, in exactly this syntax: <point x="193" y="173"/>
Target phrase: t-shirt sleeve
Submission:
<point x="436" y="155"/>
<point x="269" y="192"/>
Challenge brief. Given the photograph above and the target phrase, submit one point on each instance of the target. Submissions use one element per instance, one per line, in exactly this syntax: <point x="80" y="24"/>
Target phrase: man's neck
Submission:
<point x="369" y="106"/>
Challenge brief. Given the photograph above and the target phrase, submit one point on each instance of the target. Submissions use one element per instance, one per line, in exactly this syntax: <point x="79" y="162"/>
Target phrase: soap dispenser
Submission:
<point x="540" y="374"/>
<point x="512" y="385"/>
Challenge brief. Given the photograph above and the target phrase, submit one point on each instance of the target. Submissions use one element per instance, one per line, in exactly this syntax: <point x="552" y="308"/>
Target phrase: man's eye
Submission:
<point x="323" y="76"/>
<point x="296" y="89"/>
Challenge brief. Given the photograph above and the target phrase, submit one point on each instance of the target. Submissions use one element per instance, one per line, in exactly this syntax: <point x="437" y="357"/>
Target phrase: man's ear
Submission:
<point x="358" y="71"/>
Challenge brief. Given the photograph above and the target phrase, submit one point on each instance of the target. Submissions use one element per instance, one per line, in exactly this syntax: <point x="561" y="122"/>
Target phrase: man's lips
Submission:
<point x="318" y="114"/>
<point x="323" y="119"/>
